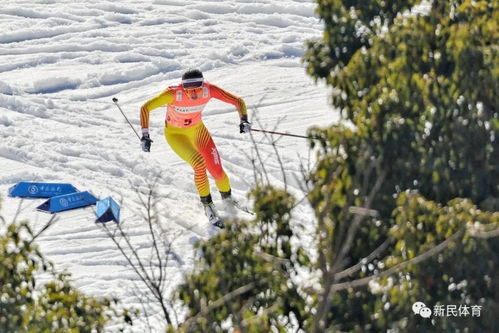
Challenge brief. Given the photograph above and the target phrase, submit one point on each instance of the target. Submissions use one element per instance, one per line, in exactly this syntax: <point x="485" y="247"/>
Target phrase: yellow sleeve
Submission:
<point x="166" y="97"/>
<point x="227" y="97"/>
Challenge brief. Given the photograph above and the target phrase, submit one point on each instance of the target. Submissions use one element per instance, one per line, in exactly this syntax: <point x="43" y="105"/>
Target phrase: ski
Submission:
<point x="240" y="207"/>
<point x="215" y="219"/>
<point x="219" y="223"/>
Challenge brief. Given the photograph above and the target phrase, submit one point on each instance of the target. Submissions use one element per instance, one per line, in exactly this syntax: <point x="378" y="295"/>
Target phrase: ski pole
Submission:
<point x="115" y="100"/>
<point x="279" y="133"/>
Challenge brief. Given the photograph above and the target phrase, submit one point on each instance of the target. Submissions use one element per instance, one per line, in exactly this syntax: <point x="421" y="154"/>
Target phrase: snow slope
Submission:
<point x="62" y="61"/>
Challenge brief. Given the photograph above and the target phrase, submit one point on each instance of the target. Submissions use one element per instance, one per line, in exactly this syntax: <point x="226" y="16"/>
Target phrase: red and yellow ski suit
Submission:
<point x="186" y="133"/>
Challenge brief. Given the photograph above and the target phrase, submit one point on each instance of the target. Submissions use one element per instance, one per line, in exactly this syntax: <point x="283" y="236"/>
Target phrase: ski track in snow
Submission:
<point x="62" y="62"/>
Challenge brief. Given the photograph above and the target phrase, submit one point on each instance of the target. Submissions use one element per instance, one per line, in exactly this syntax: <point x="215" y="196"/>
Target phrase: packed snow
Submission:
<point x="63" y="61"/>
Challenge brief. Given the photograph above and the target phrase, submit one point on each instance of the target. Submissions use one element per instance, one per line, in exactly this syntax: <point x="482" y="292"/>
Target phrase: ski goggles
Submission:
<point x="188" y="84"/>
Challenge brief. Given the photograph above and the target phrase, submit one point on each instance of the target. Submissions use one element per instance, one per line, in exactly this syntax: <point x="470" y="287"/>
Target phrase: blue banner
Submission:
<point x="40" y="190"/>
<point x="68" y="201"/>
<point x="107" y="210"/>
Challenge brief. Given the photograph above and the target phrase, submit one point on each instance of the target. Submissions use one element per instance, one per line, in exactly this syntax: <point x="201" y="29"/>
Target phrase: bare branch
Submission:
<point x="363" y="211"/>
<point x="356" y="267"/>
<point x="219" y="302"/>
<point x="270" y="258"/>
<point x="153" y="285"/>
<point x="261" y="313"/>
<point x="18" y="211"/>
<point x="279" y="160"/>
<point x="477" y="233"/>
<point x="416" y="260"/>
<point x="329" y="275"/>
<point x="260" y="159"/>
<point x="143" y="306"/>
<point x="138" y="270"/>
<point x="47" y="225"/>
<point x="352" y="230"/>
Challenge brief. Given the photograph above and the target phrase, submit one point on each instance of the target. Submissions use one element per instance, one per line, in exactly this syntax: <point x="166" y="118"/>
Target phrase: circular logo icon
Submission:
<point x="421" y="309"/>
<point x="33" y="189"/>
<point x="63" y="202"/>
<point x="416" y="307"/>
<point x="425" y="312"/>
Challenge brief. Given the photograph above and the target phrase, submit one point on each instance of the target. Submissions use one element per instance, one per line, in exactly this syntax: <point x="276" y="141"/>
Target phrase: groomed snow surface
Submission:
<point x="61" y="63"/>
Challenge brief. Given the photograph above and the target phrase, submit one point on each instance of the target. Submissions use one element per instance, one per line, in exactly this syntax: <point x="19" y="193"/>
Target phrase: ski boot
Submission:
<point x="211" y="212"/>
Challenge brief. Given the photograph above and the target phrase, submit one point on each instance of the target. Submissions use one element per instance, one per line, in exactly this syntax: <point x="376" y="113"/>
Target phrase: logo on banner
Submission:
<point x="63" y="202"/>
<point x="33" y="189"/>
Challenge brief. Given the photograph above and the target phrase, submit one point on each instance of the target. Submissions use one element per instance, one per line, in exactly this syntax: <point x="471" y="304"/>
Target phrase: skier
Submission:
<point x="189" y="138"/>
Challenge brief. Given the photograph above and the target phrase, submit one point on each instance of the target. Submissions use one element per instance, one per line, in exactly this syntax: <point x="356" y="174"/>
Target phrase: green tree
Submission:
<point x="405" y="191"/>
<point x="56" y="306"/>
<point x="245" y="274"/>
<point x="419" y="91"/>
